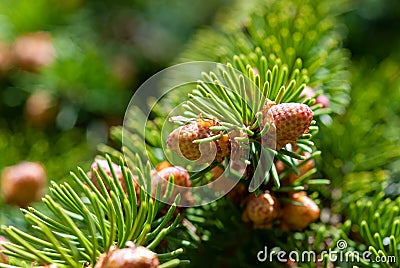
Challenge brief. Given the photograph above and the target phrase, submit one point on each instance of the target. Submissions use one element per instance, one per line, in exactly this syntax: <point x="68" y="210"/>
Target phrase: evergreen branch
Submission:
<point x="306" y="39"/>
<point x="78" y="230"/>
<point x="376" y="218"/>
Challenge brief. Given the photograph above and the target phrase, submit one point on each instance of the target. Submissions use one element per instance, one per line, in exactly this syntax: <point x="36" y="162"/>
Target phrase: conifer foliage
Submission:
<point x="282" y="75"/>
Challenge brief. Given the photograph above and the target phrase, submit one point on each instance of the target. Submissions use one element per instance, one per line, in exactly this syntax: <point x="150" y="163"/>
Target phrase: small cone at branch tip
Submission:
<point x="181" y="175"/>
<point x="261" y="210"/>
<point x="131" y="257"/>
<point x="34" y="50"/>
<point x="181" y="178"/>
<point x="23" y="184"/>
<point x="298" y="217"/>
<point x="288" y="120"/>
<point x="3" y="257"/>
<point x="118" y="173"/>
<point x="181" y="141"/>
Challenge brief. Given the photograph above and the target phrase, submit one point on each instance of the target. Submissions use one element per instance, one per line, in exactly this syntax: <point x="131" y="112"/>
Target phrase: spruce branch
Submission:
<point x="302" y="34"/>
<point x="373" y="220"/>
<point x="280" y="53"/>
<point x="236" y="102"/>
<point x="81" y="222"/>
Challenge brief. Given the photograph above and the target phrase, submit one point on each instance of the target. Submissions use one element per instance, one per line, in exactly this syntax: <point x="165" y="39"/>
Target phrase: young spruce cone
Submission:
<point x="181" y="178"/>
<point x="23" y="184"/>
<point x="181" y="141"/>
<point x="289" y="120"/>
<point x="131" y="257"/>
<point x="298" y="217"/>
<point x="261" y="210"/>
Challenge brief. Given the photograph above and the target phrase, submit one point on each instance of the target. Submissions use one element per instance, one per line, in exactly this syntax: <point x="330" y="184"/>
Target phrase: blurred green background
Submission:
<point x="68" y="70"/>
<point x="58" y="101"/>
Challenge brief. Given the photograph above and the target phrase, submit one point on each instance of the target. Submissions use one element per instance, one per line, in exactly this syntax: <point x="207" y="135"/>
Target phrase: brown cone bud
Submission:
<point x="298" y="217"/>
<point x="288" y="122"/>
<point x="181" y="141"/>
<point x="261" y="210"/>
<point x="131" y="257"/>
<point x="181" y="178"/>
<point x="23" y="183"/>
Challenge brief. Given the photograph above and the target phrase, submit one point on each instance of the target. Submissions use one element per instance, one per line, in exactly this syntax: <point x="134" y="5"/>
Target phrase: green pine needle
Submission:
<point x="81" y="227"/>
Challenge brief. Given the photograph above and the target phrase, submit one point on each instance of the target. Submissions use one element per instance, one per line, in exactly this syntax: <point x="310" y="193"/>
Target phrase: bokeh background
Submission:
<point x="68" y="69"/>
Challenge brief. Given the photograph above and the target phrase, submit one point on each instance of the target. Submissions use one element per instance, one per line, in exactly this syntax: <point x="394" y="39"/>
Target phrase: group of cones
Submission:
<point x="287" y="122"/>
